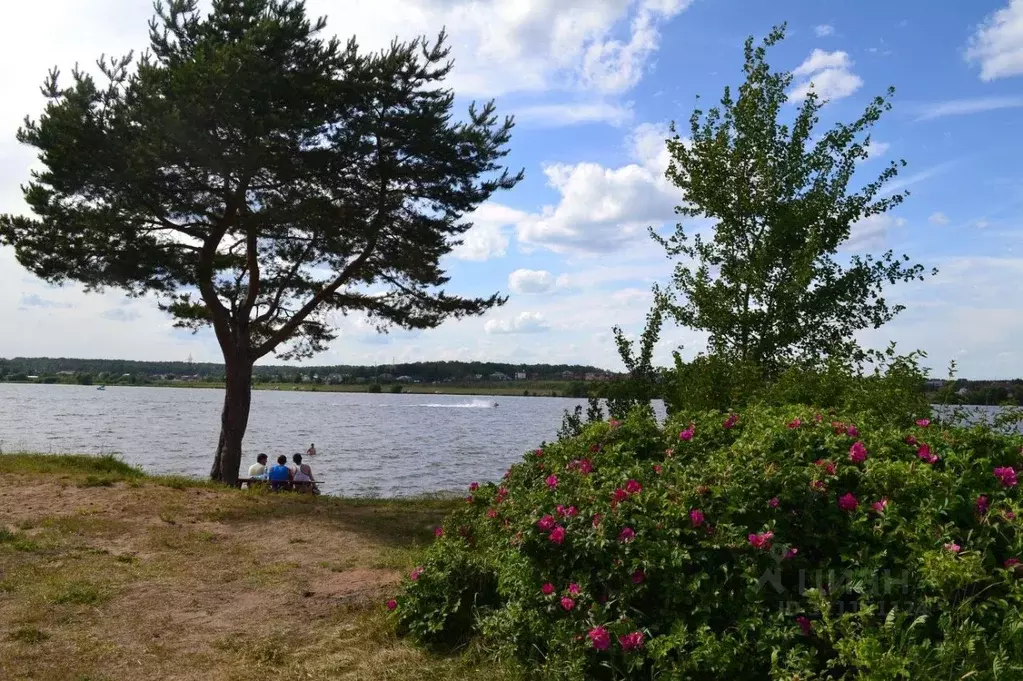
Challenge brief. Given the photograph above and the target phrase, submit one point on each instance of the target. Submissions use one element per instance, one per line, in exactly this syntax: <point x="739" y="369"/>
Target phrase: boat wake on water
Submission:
<point x="475" y="404"/>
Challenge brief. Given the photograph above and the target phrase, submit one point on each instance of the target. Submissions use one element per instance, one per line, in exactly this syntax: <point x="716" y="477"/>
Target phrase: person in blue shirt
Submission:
<point x="280" y="475"/>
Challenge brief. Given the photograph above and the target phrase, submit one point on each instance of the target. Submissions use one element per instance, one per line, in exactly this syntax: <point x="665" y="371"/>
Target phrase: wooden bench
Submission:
<point x="290" y="485"/>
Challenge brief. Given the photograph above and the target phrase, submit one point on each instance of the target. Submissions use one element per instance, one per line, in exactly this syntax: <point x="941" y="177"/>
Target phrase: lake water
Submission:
<point x="368" y="445"/>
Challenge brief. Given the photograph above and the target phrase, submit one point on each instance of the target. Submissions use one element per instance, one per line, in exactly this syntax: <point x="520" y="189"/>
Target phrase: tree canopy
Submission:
<point x="261" y="180"/>
<point x="770" y="284"/>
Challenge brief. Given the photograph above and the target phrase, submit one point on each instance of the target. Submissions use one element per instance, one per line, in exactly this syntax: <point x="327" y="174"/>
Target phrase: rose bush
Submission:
<point x="776" y="543"/>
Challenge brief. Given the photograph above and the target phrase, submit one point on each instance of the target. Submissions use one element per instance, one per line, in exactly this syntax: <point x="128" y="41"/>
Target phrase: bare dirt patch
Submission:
<point x="132" y="580"/>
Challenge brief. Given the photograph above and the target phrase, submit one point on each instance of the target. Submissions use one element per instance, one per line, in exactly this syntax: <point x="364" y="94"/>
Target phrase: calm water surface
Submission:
<point x="368" y="445"/>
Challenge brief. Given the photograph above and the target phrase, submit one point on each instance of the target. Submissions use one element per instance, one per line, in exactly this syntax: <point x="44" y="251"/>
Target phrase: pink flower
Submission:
<point x="761" y="540"/>
<point x="414" y="575"/>
<point x="658" y="468"/>
<point x="630" y="642"/>
<point x="545" y="523"/>
<point x="557" y="534"/>
<point x="731" y="421"/>
<point x="1009" y="515"/>
<point x="438" y="532"/>
<point x="491" y="512"/>
<point x="474" y="486"/>
<point x="600" y="638"/>
<point x="851" y="431"/>
<point x="596" y="519"/>
<point x="848" y="502"/>
<point x="840" y="428"/>
<point x="688" y="433"/>
<point x="668" y="453"/>
<point x="858" y="452"/>
<point x="774" y="502"/>
<point x="538" y="452"/>
<point x="573" y="589"/>
<point x="585" y="467"/>
<point x="626" y="535"/>
<point x="1006" y="475"/>
<point x="552" y="481"/>
<point x="638" y="577"/>
<point x="469" y="499"/>
<point x="804" y="624"/>
<point x="1011" y="563"/>
<point x="633" y="487"/>
<point x="910" y="440"/>
<point x="594" y="448"/>
<point x="982" y="505"/>
<point x="828" y="466"/>
<point x="571" y="512"/>
<point x="696" y="517"/>
<point x="880" y="505"/>
<point x="923" y="423"/>
<point x="614" y="423"/>
<point x="818" y="486"/>
<point x="567" y="603"/>
<point x="559" y="509"/>
<point x="507" y="474"/>
<point x="925" y="454"/>
<point x="791" y="553"/>
<point x="502" y="494"/>
<point x="392" y="604"/>
<point x="795" y="423"/>
<point x="953" y="547"/>
<point x="547" y="589"/>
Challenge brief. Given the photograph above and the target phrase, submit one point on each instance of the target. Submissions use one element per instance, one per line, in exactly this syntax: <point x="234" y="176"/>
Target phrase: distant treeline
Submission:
<point x="63" y="369"/>
<point x="992" y="393"/>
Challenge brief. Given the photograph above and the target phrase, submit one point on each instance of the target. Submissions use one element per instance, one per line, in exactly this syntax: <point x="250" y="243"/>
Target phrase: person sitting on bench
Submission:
<point x="303" y="473"/>
<point x="280" y="475"/>
<point x="258" y="469"/>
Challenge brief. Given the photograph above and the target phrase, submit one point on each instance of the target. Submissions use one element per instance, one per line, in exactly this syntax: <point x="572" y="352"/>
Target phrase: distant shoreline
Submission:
<point x="519" y="389"/>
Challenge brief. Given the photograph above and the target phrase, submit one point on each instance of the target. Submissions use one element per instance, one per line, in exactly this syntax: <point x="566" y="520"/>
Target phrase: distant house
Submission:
<point x="65" y="373"/>
<point x="569" y="376"/>
<point x="520" y="375"/>
<point x="498" y="376"/>
<point x="478" y="377"/>
<point x="404" y="379"/>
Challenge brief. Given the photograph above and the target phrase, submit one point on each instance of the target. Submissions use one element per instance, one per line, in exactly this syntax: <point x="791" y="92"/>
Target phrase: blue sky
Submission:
<point x="593" y="84"/>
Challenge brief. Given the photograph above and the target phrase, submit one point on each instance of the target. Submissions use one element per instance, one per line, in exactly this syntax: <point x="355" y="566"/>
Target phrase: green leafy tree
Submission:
<point x="260" y="180"/>
<point x="769" y="284"/>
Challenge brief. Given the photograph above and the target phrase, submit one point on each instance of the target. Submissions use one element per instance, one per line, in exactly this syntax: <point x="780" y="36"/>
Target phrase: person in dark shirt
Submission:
<point x="280" y="475"/>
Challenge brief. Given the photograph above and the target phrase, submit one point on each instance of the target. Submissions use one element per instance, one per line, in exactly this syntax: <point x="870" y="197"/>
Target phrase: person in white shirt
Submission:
<point x="258" y="469"/>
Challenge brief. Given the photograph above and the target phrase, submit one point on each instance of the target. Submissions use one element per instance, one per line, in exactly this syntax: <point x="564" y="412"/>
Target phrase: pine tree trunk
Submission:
<point x="233" y="420"/>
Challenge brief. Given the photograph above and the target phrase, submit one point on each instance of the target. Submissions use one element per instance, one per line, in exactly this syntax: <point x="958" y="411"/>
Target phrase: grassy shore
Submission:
<point x="107" y="573"/>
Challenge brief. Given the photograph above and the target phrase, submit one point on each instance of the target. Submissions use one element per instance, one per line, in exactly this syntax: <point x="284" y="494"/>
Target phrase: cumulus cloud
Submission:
<point x="829" y="74"/>
<point x="601" y="209"/>
<point x="487" y="238"/>
<point x="877" y="148"/>
<point x="938" y="218"/>
<point x="824" y="30"/>
<point x="526" y="322"/>
<point x="533" y="281"/>
<point x="997" y="44"/>
<point x="553" y="115"/>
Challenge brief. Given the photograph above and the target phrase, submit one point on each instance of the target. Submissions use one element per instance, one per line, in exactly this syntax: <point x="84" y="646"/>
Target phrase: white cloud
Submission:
<point x="870" y="233"/>
<point x="602" y="208"/>
<point x="938" y="218"/>
<point x="501" y="47"/>
<point x="829" y="74"/>
<point x="487" y="237"/>
<point x="553" y="115"/>
<point x="526" y="322"/>
<point x="961" y="107"/>
<point x="824" y="30"/>
<point x="877" y="148"/>
<point x="998" y="43"/>
<point x="532" y="281"/>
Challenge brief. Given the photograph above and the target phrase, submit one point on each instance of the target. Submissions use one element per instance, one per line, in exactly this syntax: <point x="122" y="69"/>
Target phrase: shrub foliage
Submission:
<point x="778" y="543"/>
